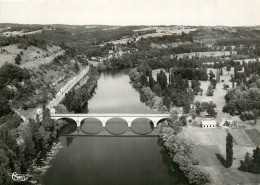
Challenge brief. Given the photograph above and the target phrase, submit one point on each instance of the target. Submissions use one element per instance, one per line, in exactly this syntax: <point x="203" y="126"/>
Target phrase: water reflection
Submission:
<point x="112" y="160"/>
<point x="69" y="140"/>
<point x="116" y="126"/>
<point x="91" y="126"/>
<point x="142" y="126"/>
<point x="114" y="94"/>
<point x="69" y="126"/>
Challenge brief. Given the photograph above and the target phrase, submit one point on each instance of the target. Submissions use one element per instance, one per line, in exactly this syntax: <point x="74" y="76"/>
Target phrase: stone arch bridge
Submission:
<point x="129" y="118"/>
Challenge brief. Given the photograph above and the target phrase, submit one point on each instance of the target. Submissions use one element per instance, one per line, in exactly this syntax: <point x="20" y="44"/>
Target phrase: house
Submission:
<point x="208" y="123"/>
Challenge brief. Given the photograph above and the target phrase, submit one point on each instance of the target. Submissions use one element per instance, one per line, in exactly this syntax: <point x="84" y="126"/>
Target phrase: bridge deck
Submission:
<point x="110" y="115"/>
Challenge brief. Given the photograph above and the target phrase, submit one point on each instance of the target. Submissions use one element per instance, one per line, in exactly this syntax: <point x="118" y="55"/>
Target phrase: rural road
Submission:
<point x="61" y="94"/>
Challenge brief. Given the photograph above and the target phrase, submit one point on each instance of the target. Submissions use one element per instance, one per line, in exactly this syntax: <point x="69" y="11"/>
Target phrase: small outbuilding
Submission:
<point x="208" y="124"/>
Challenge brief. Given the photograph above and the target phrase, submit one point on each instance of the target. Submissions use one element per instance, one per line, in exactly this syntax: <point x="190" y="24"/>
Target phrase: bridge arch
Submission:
<point x="142" y="126"/>
<point x="116" y="125"/>
<point x="91" y="125"/>
<point x="161" y="120"/>
<point x="68" y="125"/>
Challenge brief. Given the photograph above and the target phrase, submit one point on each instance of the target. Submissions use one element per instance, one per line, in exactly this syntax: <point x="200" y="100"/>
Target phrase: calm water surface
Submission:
<point x="93" y="160"/>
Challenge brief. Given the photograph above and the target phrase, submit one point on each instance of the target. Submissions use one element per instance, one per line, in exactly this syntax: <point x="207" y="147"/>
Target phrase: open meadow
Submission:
<point x="208" y="142"/>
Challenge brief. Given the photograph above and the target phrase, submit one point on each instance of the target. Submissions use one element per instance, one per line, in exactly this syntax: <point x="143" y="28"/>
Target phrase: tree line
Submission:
<point x="75" y="99"/>
<point x="19" y="148"/>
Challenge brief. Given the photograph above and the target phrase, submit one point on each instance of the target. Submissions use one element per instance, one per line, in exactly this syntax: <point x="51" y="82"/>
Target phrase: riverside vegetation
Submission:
<point x="182" y="151"/>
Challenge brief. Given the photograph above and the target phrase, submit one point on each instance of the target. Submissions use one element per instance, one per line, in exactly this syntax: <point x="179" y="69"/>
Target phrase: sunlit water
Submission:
<point x="96" y="160"/>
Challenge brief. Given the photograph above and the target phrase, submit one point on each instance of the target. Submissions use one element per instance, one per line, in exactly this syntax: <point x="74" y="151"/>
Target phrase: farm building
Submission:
<point x="208" y="124"/>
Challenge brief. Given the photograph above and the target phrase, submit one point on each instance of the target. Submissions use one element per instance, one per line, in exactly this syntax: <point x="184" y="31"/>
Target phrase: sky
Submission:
<point x="132" y="12"/>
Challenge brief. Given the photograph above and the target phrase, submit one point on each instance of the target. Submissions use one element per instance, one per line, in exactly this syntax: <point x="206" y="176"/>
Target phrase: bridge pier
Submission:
<point x="78" y="123"/>
<point x="103" y="123"/>
<point x="155" y="121"/>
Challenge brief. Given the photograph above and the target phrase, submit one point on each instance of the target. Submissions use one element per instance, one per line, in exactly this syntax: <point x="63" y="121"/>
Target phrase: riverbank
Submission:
<point x="43" y="162"/>
<point x="183" y="153"/>
<point x="180" y="150"/>
<point x="76" y="99"/>
<point x="147" y="96"/>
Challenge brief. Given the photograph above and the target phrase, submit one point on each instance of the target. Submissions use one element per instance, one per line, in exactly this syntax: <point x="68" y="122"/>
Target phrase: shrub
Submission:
<point x="18" y="59"/>
<point x="198" y="175"/>
<point x="227" y="123"/>
<point x="246" y="116"/>
<point x="210" y="91"/>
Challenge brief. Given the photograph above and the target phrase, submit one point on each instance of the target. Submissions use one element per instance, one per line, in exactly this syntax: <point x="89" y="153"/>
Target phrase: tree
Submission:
<point x="143" y="80"/>
<point x="218" y="75"/>
<point x="251" y="164"/>
<point x="233" y="81"/>
<point x="157" y="89"/>
<point x="211" y="109"/>
<point x="186" y="108"/>
<point x="18" y="59"/>
<point x="213" y="82"/>
<point x="211" y="75"/>
<point x="229" y="150"/>
<point x="256" y="160"/>
<point x="193" y="114"/>
<point x="175" y="123"/>
<point x="221" y="71"/>
<point x="151" y="81"/>
<point x="4" y="106"/>
<point x="255" y="113"/>
<point x="246" y="165"/>
<point x="225" y="86"/>
<point x="198" y="108"/>
<point x="210" y="90"/>
<point x="195" y="85"/>
<point x="167" y="101"/>
<point x="228" y="68"/>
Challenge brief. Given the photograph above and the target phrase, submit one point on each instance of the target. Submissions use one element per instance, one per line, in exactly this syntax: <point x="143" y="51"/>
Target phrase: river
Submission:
<point x="97" y="160"/>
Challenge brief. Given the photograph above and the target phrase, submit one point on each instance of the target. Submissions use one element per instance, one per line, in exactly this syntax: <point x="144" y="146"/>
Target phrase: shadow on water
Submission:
<point x="69" y="126"/>
<point x="173" y="168"/>
<point x="84" y="107"/>
<point x="116" y="73"/>
<point x="69" y="140"/>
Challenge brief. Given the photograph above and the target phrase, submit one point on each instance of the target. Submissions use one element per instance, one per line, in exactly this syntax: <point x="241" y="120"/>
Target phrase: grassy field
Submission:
<point x="241" y="138"/>
<point x="208" y="142"/>
<point x="32" y="56"/>
<point x="254" y="135"/>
